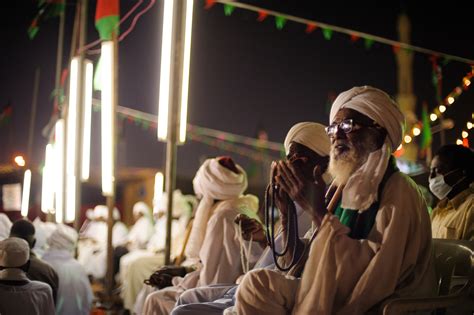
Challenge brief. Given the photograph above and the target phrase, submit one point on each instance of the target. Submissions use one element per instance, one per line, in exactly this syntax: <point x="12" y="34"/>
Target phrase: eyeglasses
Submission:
<point x="347" y="126"/>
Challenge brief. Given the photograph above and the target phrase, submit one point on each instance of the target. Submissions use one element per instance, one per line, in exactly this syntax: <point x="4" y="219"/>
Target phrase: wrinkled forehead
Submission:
<point x="348" y="113"/>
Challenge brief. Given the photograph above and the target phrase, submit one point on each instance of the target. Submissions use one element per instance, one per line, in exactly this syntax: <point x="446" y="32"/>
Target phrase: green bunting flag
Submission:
<point x="228" y="9"/>
<point x="327" y="33"/>
<point x="280" y="22"/>
<point x="425" y="131"/>
<point x="368" y="43"/>
<point x="46" y="9"/>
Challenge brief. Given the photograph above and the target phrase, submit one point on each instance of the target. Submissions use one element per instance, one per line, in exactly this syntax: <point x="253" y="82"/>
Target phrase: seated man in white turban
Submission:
<point x="305" y="143"/>
<point x="74" y="292"/>
<point x="18" y="294"/>
<point x="213" y="250"/>
<point x="377" y="241"/>
<point x="138" y="265"/>
<point x="92" y="251"/>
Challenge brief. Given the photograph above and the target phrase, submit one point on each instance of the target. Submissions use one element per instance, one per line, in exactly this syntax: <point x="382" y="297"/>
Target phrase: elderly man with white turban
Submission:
<point x="138" y="265"/>
<point x="377" y="241"/>
<point x="213" y="249"/>
<point x="18" y="294"/>
<point x="307" y="146"/>
<point x="74" y="292"/>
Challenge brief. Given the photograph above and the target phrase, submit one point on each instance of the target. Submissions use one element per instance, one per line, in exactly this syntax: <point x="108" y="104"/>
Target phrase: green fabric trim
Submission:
<point x="107" y="25"/>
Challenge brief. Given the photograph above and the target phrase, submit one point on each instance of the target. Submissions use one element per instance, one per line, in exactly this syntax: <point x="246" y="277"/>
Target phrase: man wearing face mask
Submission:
<point x="451" y="181"/>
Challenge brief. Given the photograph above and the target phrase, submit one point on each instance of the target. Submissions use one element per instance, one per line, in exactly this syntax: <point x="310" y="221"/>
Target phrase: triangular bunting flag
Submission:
<point x="262" y="15"/>
<point x="228" y="9"/>
<point x="209" y="4"/>
<point x="310" y="27"/>
<point x="327" y="33"/>
<point x="368" y="43"/>
<point x="280" y="22"/>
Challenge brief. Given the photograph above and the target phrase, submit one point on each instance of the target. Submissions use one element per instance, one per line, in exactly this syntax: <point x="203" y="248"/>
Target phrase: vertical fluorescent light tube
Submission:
<point x="158" y="193"/>
<point x="163" y="105"/>
<point x="47" y="189"/>
<point x="58" y="170"/>
<point x="71" y="142"/>
<point x="86" y="135"/>
<point x="186" y="61"/>
<point x="25" y="199"/>
<point x="107" y="113"/>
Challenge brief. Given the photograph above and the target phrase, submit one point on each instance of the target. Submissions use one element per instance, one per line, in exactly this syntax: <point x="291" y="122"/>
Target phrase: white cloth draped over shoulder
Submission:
<point x="5" y="226"/>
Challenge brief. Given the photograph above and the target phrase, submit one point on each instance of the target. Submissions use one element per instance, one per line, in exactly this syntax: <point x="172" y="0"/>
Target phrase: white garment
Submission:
<point x="74" y="292"/>
<point x="92" y="253"/>
<point x="212" y="182"/>
<point x="138" y="265"/>
<point x="5" y="226"/>
<point x="42" y="232"/>
<point x="33" y="298"/>
<point x="140" y="233"/>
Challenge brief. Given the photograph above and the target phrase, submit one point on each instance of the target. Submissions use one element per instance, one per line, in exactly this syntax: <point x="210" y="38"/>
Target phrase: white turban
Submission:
<point x="375" y="104"/>
<point x="103" y="211"/>
<point x="14" y="252"/>
<point x="141" y="207"/>
<point x="311" y="135"/>
<point x="5" y="226"/>
<point x="212" y="182"/>
<point x="361" y="189"/>
<point x="90" y="214"/>
<point x="63" y="238"/>
<point x="181" y="204"/>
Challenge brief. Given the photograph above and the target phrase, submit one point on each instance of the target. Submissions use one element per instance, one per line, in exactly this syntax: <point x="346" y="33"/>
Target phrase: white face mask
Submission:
<point x="438" y="187"/>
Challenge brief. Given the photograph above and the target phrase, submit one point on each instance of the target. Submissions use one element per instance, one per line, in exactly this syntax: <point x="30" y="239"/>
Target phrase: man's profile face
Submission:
<point x="350" y="150"/>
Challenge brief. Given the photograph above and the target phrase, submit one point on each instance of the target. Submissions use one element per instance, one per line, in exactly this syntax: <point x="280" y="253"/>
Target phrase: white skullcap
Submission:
<point x="141" y="207"/>
<point x="375" y="104"/>
<point x="311" y="135"/>
<point x="14" y="252"/>
<point x="101" y="211"/>
<point x="90" y="214"/>
<point x="116" y="214"/>
<point x="63" y="238"/>
<point x="5" y="226"/>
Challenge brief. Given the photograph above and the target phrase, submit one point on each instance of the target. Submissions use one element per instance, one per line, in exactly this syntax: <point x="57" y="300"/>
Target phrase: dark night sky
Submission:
<point x="244" y="74"/>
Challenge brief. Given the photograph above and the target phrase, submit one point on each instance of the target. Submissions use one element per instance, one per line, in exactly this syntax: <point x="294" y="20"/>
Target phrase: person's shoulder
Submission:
<point x="35" y="285"/>
<point x="401" y="188"/>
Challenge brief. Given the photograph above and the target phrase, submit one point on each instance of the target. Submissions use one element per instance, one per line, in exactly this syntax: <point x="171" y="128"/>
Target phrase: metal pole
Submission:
<point x="34" y="103"/>
<point x="179" y="21"/>
<point x="80" y="112"/>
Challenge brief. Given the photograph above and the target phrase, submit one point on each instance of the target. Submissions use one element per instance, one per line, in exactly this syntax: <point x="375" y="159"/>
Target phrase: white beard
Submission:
<point x="342" y="166"/>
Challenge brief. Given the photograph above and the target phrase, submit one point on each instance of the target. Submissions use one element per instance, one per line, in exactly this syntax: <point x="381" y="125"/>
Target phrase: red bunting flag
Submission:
<point x="396" y="49"/>
<point x="209" y="4"/>
<point x="262" y="15"/>
<point x="310" y="27"/>
<point x="354" y="38"/>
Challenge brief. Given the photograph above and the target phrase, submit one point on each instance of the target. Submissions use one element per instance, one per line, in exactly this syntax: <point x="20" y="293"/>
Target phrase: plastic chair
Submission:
<point x="454" y="263"/>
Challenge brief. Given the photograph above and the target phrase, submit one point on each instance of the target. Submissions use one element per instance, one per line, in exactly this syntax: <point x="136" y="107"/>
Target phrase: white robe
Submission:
<point x="138" y="265"/>
<point x="219" y="255"/>
<point x="74" y="292"/>
<point x="140" y="233"/>
<point x="349" y="276"/>
<point x="92" y="252"/>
